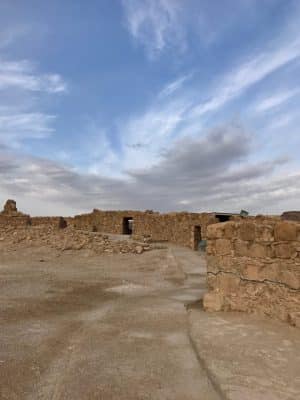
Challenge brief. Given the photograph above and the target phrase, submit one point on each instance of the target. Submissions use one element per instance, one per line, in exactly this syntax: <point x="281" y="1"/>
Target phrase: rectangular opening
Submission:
<point x="127" y="226"/>
<point x="223" y="217"/>
<point x="197" y="236"/>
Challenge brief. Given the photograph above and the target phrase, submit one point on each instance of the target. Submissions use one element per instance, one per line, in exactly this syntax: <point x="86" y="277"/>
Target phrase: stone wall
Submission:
<point x="291" y="216"/>
<point x="180" y="228"/>
<point x="104" y="221"/>
<point x="254" y="266"/>
<point x="56" y="222"/>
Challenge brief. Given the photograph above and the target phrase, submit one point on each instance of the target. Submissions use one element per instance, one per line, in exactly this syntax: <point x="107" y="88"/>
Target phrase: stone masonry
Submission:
<point x="254" y="266"/>
<point x="182" y="228"/>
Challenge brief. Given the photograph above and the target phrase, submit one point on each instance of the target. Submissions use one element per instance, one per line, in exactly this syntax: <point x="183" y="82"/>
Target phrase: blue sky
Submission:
<point x="150" y="104"/>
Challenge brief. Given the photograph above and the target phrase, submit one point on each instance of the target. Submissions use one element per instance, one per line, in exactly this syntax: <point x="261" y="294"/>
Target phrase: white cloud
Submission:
<point x="146" y="136"/>
<point x="22" y="88"/>
<point x="155" y="23"/>
<point x="22" y="75"/>
<point x="275" y="100"/>
<point x="16" y="127"/>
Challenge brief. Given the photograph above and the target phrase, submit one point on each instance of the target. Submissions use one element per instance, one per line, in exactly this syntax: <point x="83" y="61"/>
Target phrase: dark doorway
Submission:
<point x="223" y="217"/>
<point x="127" y="226"/>
<point x="197" y="236"/>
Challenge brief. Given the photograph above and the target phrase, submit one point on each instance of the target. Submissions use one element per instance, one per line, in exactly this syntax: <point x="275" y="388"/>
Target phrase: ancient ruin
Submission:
<point x="253" y="264"/>
<point x="149" y="295"/>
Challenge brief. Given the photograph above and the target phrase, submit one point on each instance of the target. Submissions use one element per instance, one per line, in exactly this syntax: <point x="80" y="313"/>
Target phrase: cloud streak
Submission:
<point x="275" y="100"/>
<point x="22" y="75"/>
<point x="248" y="74"/>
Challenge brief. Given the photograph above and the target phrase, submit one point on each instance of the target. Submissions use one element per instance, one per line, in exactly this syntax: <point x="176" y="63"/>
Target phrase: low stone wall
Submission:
<point x="254" y="266"/>
<point x="14" y="221"/>
<point x="56" y="222"/>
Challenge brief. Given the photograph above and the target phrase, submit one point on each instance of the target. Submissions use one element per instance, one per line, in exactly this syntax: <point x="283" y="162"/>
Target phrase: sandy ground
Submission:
<point x="76" y="326"/>
<point x="248" y="357"/>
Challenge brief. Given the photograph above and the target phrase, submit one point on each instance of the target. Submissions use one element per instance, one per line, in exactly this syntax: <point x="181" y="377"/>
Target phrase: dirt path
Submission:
<point x="85" y="327"/>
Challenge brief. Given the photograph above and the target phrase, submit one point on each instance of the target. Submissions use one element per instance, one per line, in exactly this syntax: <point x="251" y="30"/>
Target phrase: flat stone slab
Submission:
<point x="248" y="357"/>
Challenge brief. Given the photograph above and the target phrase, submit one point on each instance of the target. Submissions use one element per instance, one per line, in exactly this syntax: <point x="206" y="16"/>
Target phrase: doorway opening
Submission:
<point x="197" y="237"/>
<point x="127" y="226"/>
<point x="223" y="217"/>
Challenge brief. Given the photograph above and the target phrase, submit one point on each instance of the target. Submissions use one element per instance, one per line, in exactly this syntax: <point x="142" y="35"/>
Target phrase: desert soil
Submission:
<point x="74" y="325"/>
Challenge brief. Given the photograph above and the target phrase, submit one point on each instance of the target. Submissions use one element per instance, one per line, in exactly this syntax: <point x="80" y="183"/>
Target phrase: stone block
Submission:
<point x="270" y="271"/>
<point x="247" y="231"/>
<point x="283" y="250"/>
<point x="212" y="263"/>
<point x="285" y="231"/>
<point x="230" y="230"/>
<point x="215" y="231"/>
<point x="264" y="233"/>
<point x="223" y="246"/>
<point x="228" y="283"/>
<point x="289" y="278"/>
<point x="211" y="281"/>
<point x="252" y="272"/>
<point x="213" y="301"/>
<point x="258" y="250"/>
<point x="211" y="247"/>
<point x="241" y="248"/>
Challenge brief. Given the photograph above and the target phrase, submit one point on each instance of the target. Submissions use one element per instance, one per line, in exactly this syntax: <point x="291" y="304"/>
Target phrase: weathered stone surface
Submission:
<point x="213" y="301"/>
<point x="247" y="231"/>
<point x="258" y="250"/>
<point x="291" y="216"/>
<point x="261" y="274"/>
<point x="264" y="233"/>
<point x="294" y="319"/>
<point x="241" y="248"/>
<point x="223" y="246"/>
<point x="230" y="230"/>
<point x="284" y="231"/>
<point x="283" y="250"/>
<point x="10" y="207"/>
<point x="215" y="231"/>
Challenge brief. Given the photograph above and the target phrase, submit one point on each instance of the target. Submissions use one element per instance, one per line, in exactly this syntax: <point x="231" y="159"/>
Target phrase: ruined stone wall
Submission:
<point x="55" y="222"/>
<point x="254" y="266"/>
<point x="105" y="221"/>
<point x="11" y="217"/>
<point x="177" y="228"/>
<point x="14" y="221"/>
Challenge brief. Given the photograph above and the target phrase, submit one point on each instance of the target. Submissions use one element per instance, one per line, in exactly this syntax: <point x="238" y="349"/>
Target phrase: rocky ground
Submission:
<point x="69" y="239"/>
<point x="77" y="324"/>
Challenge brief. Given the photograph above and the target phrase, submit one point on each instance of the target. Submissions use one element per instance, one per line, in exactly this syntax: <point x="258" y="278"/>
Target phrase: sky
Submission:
<point x="170" y="105"/>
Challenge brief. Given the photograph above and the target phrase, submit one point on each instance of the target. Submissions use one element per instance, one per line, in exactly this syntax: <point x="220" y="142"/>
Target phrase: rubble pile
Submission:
<point x="68" y="239"/>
